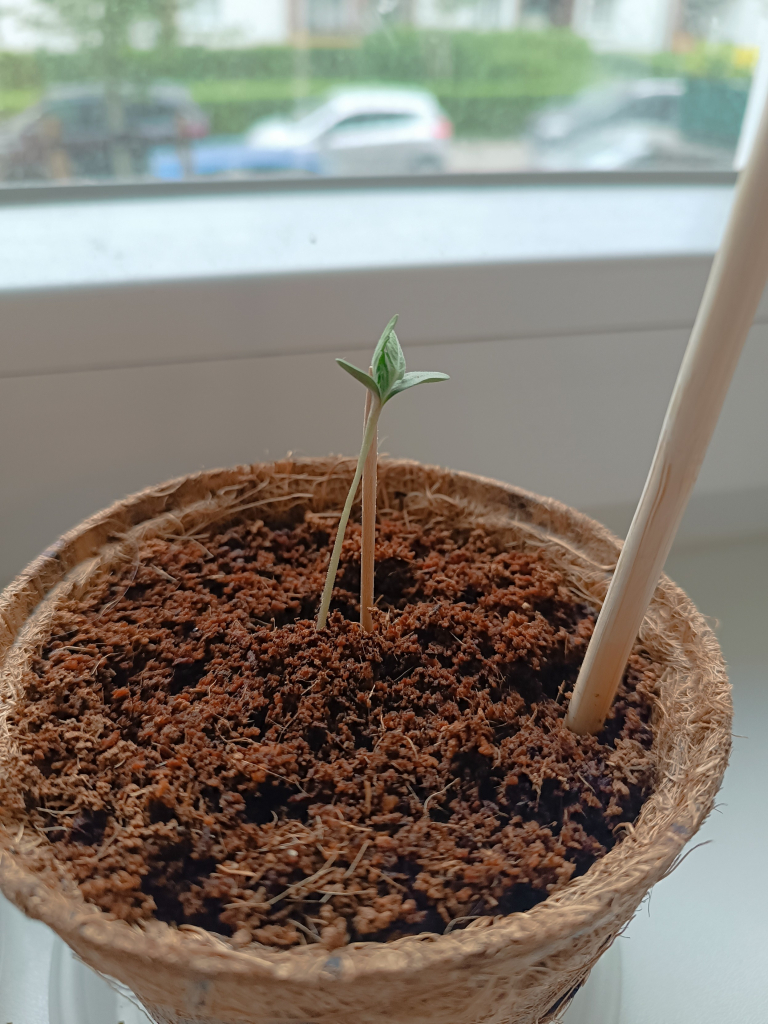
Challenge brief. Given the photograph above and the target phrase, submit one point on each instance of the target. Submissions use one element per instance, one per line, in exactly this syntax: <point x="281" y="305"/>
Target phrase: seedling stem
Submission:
<point x="368" y="436"/>
<point x="387" y="377"/>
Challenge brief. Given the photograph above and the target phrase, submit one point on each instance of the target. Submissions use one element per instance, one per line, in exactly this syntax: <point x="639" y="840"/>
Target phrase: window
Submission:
<point x="331" y="17"/>
<point x="210" y="89"/>
<point x="373" y="120"/>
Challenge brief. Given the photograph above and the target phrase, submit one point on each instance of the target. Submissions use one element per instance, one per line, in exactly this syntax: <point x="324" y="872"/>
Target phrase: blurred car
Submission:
<point x="75" y="132"/>
<point x="620" y="126"/>
<point x="348" y="132"/>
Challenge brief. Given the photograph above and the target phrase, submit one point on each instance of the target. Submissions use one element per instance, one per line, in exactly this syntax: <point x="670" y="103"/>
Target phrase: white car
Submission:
<point x="353" y="131"/>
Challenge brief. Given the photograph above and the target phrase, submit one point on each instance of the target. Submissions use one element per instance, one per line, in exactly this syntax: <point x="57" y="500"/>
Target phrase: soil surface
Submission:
<point x="196" y="752"/>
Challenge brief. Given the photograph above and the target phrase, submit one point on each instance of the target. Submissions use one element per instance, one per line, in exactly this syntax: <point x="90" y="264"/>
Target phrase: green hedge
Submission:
<point x="20" y="71"/>
<point x="490" y="117"/>
<point x="706" y="60"/>
<point x="479" y="116"/>
<point x="13" y="101"/>
<point x="721" y="61"/>
<point x="553" y="61"/>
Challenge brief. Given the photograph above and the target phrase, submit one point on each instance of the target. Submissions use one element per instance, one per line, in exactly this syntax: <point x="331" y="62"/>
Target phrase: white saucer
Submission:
<point x="78" y="995"/>
<point x="599" y="1001"/>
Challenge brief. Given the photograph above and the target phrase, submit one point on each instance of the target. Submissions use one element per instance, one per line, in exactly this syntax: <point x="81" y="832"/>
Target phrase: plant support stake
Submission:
<point x="388" y="377"/>
<point x="734" y="288"/>
<point x="368" y="531"/>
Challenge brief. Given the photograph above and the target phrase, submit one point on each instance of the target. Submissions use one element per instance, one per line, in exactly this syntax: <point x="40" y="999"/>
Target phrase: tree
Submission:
<point x="102" y="28"/>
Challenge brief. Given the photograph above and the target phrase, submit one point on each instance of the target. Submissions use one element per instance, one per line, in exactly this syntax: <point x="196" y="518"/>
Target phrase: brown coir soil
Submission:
<point x="196" y="752"/>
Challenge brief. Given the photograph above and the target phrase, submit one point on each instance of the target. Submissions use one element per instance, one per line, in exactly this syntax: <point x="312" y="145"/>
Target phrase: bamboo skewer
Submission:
<point x="368" y="535"/>
<point x="728" y="307"/>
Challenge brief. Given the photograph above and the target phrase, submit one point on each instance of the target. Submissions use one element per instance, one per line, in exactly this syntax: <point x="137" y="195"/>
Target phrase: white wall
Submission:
<point x="474" y="15"/>
<point x="214" y="23"/>
<point x="235" y="23"/>
<point x="26" y="26"/>
<point x="640" y="26"/>
<point x="741" y="22"/>
<point x="567" y="401"/>
<point x="630" y="26"/>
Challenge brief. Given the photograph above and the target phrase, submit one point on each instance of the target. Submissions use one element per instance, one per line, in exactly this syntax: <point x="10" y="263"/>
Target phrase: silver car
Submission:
<point x="354" y="131"/>
<point x="617" y="126"/>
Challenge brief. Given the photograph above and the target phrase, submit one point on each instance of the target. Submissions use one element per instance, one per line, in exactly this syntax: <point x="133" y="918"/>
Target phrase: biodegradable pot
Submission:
<point x="522" y="968"/>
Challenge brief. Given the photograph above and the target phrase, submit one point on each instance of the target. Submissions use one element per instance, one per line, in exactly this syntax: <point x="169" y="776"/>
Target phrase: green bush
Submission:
<point x="541" y="58"/>
<point x="210" y="92"/>
<point x="231" y="117"/>
<point x="717" y="61"/>
<point x="549" y="62"/>
<point x="19" y="71"/>
<point x="490" y="116"/>
<point x="13" y="101"/>
<point x="707" y="60"/>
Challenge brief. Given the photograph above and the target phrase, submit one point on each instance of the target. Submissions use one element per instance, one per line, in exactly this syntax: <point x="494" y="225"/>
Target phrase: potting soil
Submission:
<point x="196" y="752"/>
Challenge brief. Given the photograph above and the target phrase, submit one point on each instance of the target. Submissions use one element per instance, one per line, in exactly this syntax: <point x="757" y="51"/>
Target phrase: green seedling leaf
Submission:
<point x="388" y="359"/>
<point x="360" y="375"/>
<point x="383" y="339"/>
<point x="412" y="378"/>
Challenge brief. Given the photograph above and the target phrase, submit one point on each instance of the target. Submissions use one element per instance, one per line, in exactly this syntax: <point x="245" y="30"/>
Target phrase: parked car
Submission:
<point x="75" y="132"/>
<point x="350" y="131"/>
<point x="620" y="126"/>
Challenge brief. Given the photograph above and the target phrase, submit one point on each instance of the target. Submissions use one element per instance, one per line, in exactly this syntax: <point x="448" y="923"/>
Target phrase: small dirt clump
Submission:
<point x="194" y="751"/>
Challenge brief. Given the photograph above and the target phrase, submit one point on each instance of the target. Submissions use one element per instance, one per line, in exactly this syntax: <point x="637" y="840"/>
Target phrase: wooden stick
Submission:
<point x="733" y="291"/>
<point x="368" y="534"/>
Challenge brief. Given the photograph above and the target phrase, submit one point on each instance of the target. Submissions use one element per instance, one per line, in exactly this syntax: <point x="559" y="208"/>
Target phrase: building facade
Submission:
<point x="639" y="26"/>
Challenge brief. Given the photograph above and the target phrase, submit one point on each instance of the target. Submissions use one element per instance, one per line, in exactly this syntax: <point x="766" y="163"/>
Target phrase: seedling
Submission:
<point x="388" y="377"/>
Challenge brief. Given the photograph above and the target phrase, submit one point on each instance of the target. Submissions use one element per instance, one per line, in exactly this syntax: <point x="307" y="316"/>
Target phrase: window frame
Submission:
<point x="33" y="194"/>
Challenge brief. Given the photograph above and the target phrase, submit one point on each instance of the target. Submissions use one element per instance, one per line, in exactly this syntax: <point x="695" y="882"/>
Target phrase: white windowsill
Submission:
<point x="183" y="237"/>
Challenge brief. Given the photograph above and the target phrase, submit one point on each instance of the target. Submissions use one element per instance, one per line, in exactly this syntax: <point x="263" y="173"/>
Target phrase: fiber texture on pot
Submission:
<point x="522" y="968"/>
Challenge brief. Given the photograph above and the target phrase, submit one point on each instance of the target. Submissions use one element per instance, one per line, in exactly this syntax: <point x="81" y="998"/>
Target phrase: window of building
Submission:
<point x="160" y="90"/>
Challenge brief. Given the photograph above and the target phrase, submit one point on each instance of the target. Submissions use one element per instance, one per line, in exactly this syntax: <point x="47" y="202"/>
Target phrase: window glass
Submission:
<point x="179" y="89"/>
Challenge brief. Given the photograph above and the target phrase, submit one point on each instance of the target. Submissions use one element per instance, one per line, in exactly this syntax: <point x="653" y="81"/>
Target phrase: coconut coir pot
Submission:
<point x="522" y="967"/>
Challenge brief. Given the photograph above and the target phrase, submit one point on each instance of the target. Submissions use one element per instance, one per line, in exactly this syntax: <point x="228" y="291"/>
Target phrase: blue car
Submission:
<point x="225" y="155"/>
